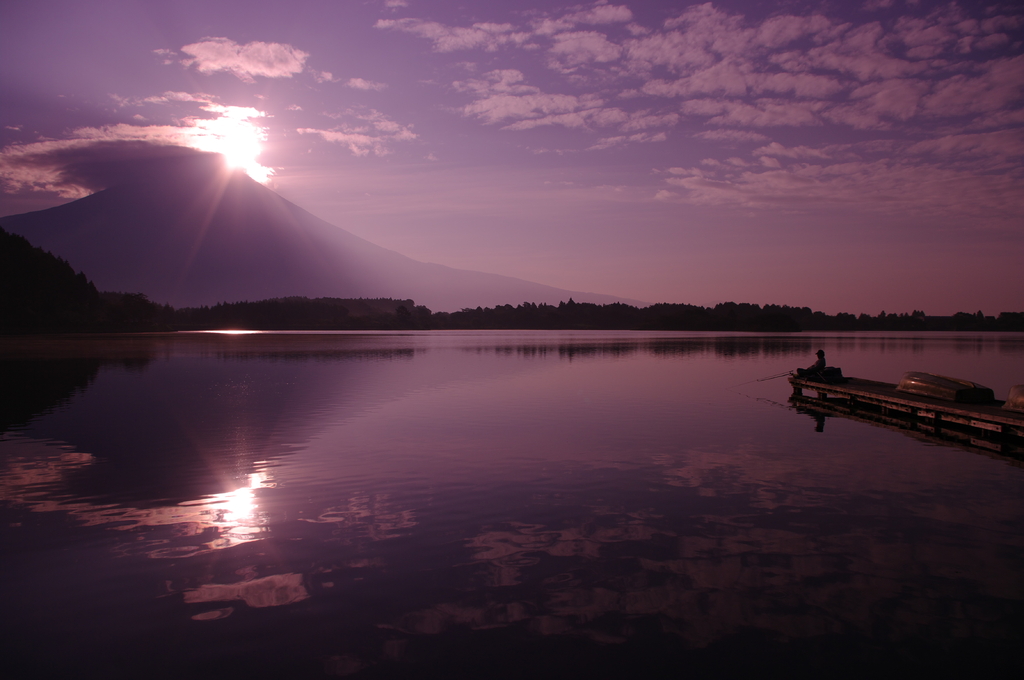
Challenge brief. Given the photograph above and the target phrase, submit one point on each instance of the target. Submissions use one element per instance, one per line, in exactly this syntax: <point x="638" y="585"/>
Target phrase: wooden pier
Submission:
<point x="985" y="426"/>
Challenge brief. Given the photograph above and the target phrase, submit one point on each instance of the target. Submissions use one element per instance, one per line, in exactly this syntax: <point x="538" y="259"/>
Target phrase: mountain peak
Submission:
<point x="188" y="232"/>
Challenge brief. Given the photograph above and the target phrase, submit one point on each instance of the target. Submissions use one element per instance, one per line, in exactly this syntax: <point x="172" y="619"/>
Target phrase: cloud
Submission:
<point x="731" y="136"/>
<point x="607" y="143"/>
<point x="785" y="70"/>
<point x="74" y="167"/>
<point x="573" y="49"/>
<point x="737" y="79"/>
<point x="914" y="97"/>
<point x="925" y="39"/>
<point x="998" y="146"/>
<point x="502" y="81"/>
<point x="993" y="41"/>
<point x="860" y="52"/>
<point x="535" y="111"/>
<point x="598" y="14"/>
<point x="167" y="57"/>
<point x="760" y="113"/>
<point x="885" y="186"/>
<point x="360" y="84"/>
<point x="999" y="84"/>
<point x="875" y="104"/>
<point x="776" y="149"/>
<point x="486" y="36"/>
<point x="674" y="50"/>
<point x="269" y="60"/>
<point x="638" y="138"/>
<point x="569" y="50"/>
<point x="641" y="120"/>
<point x="359" y="143"/>
<point x="369" y="132"/>
<point x="503" y="96"/>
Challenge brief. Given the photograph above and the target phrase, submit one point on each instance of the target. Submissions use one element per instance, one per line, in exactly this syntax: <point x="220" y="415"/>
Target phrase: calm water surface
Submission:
<point x="494" y="504"/>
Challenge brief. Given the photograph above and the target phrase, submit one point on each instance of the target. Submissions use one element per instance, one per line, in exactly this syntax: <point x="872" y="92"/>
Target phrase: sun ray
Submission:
<point x="234" y="135"/>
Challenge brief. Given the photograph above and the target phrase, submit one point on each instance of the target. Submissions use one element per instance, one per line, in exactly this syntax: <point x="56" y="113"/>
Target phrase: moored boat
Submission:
<point x="1015" y="401"/>
<point x="944" y="387"/>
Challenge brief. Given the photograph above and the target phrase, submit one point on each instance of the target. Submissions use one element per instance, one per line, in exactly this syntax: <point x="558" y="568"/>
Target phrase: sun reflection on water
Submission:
<point x="232" y="332"/>
<point x="236" y="514"/>
<point x="34" y="469"/>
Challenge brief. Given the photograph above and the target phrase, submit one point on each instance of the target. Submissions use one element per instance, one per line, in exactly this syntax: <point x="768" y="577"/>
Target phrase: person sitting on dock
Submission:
<point x="814" y="368"/>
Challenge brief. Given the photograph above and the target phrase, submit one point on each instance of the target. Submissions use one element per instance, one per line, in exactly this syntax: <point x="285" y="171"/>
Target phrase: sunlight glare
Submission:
<point x="239" y="507"/>
<point x="234" y="136"/>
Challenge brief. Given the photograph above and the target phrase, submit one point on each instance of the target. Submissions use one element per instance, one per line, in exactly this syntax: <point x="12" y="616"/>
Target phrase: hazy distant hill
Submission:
<point x="191" y="234"/>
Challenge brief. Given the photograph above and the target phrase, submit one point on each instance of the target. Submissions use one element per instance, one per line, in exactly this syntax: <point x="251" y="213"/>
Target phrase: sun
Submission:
<point x="240" y="151"/>
<point x="234" y="135"/>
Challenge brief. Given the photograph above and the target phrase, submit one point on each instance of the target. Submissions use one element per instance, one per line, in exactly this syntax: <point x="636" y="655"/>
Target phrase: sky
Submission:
<point x="845" y="156"/>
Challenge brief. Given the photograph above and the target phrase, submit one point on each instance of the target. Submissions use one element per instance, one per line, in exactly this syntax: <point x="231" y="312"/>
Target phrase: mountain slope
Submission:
<point x="193" y="234"/>
<point x="39" y="291"/>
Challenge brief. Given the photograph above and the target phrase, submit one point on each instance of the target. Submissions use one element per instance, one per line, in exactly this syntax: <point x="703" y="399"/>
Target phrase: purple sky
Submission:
<point x="844" y="156"/>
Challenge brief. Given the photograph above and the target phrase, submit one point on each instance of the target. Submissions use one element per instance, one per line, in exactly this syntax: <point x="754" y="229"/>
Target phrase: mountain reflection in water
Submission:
<point x="435" y="504"/>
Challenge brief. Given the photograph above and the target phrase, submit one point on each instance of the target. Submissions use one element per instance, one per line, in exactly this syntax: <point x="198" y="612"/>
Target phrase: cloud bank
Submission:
<point x="94" y="157"/>
<point x="930" y="100"/>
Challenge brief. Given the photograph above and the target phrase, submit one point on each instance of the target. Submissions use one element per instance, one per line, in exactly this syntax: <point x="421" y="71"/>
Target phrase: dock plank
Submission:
<point x="985" y="419"/>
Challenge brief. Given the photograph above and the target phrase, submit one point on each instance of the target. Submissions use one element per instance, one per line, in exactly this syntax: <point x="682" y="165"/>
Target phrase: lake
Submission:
<point x="495" y="504"/>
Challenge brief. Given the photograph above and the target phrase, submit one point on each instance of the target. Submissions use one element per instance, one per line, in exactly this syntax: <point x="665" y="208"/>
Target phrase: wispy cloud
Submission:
<point x="638" y="138"/>
<point x="486" y="36"/>
<point x="598" y="14"/>
<point x="360" y="84"/>
<point x="929" y="190"/>
<point x="365" y="132"/>
<point x="504" y="97"/>
<point x="731" y="136"/>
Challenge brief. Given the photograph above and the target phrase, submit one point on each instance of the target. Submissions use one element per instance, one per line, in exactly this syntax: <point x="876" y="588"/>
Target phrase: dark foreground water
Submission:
<point x="494" y="505"/>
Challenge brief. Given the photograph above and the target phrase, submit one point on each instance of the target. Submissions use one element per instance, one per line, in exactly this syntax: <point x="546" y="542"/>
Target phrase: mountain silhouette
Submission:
<point x="188" y="232"/>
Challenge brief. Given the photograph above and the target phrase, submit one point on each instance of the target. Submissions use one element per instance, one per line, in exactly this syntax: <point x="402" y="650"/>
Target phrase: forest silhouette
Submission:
<point x="41" y="293"/>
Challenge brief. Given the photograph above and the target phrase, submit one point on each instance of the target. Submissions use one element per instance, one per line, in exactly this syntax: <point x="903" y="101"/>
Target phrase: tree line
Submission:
<point x="41" y="293"/>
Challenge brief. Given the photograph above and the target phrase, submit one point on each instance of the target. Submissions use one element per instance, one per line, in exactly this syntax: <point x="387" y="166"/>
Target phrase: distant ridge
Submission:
<point x="41" y="293"/>
<point x="189" y="233"/>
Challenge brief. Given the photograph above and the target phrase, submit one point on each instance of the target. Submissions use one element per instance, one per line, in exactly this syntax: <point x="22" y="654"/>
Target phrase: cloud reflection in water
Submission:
<point x="363" y="497"/>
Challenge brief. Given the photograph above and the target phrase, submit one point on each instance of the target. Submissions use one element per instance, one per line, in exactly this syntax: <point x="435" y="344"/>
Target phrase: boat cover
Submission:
<point x="943" y="387"/>
<point x="1015" y="402"/>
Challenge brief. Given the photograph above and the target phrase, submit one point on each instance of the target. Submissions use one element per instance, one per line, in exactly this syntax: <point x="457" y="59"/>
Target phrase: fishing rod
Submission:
<point x="773" y="377"/>
<point x="769" y="377"/>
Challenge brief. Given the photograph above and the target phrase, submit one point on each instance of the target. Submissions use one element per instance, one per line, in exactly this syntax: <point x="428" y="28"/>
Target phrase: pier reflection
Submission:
<point x="820" y="409"/>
